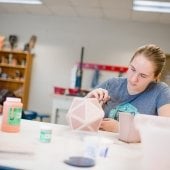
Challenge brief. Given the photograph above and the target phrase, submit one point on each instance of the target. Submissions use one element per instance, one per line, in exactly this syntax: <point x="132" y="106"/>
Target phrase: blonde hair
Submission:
<point x="154" y="54"/>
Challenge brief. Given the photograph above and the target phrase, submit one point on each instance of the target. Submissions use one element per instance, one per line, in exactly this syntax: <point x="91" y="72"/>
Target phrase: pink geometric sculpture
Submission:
<point x="85" y="114"/>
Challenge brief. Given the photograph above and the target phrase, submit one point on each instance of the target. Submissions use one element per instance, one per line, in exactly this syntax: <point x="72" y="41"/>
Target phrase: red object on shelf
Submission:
<point x="119" y="69"/>
<point x="73" y="91"/>
<point x="59" y="90"/>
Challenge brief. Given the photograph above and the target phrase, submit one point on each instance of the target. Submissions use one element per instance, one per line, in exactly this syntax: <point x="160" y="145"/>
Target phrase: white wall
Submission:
<point x="59" y="46"/>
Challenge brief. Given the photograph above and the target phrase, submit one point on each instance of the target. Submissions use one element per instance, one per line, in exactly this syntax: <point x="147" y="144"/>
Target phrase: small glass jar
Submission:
<point x="45" y="134"/>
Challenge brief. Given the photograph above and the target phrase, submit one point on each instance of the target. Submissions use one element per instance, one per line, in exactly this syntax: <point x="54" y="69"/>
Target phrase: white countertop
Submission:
<point x="24" y="150"/>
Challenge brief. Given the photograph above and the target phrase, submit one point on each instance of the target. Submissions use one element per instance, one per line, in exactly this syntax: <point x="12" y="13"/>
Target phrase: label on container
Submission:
<point x="14" y="116"/>
<point x="45" y="135"/>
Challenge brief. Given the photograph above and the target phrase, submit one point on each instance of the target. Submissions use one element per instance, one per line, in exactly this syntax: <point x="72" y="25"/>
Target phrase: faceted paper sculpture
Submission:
<point x="85" y="114"/>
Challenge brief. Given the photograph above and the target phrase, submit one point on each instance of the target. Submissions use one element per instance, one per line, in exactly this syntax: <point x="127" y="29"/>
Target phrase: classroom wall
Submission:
<point x="59" y="45"/>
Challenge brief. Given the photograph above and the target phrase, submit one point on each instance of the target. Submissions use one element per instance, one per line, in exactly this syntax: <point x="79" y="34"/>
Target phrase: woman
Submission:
<point x="141" y="92"/>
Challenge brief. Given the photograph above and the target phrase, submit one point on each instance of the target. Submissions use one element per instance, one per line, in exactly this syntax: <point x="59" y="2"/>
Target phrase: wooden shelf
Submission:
<point x="15" y="67"/>
<point x="11" y="80"/>
<point x="12" y="66"/>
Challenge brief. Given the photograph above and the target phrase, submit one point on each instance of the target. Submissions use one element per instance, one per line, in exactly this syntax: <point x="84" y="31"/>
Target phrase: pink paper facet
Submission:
<point x="127" y="130"/>
<point x="85" y="114"/>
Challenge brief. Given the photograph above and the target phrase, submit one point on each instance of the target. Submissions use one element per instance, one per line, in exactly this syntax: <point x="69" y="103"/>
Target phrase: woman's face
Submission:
<point x="140" y="74"/>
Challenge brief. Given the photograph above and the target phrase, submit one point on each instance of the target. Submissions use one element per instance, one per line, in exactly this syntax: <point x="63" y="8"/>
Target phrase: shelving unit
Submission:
<point x="15" y="73"/>
<point x="119" y="69"/>
<point x="101" y="67"/>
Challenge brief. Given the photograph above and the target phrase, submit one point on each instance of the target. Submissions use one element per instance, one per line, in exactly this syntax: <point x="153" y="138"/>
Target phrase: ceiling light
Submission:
<point x="151" y="6"/>
<point x="31" y="2"/>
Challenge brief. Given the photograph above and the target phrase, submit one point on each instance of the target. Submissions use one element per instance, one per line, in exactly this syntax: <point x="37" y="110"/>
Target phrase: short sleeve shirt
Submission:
<point x="146" y="102"/>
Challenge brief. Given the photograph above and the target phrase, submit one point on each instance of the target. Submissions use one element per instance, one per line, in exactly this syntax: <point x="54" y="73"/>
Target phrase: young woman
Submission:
<point x="140" y="92"/>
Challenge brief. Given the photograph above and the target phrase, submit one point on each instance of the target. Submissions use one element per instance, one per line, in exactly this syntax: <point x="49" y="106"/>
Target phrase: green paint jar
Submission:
<point x="45" y="134"/>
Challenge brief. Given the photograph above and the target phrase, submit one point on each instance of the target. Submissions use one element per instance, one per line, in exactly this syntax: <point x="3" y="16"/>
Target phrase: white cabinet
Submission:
<point x="60" y="106"/>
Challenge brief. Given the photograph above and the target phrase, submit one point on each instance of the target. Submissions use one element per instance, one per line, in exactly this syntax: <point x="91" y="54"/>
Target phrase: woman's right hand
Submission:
<point x="100" y="94"/>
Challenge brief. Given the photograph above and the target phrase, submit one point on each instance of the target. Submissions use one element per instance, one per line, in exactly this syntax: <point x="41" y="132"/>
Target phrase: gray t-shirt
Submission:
<point x="146" y="102"/>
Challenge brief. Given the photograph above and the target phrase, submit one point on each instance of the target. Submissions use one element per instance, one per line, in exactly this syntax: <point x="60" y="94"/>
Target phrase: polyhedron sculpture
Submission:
<point x="85" y="114"/>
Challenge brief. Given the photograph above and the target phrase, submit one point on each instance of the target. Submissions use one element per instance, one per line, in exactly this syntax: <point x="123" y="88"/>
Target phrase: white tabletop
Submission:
<point x="24" y="149"/>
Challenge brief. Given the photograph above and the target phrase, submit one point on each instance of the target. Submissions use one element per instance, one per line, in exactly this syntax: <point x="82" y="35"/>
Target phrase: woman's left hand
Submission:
<point x="109" y="125"/>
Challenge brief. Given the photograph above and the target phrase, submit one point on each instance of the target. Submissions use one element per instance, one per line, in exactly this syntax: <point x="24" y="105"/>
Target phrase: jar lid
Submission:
<point x="13" y="99"/>
<point x="45" y="127"/>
